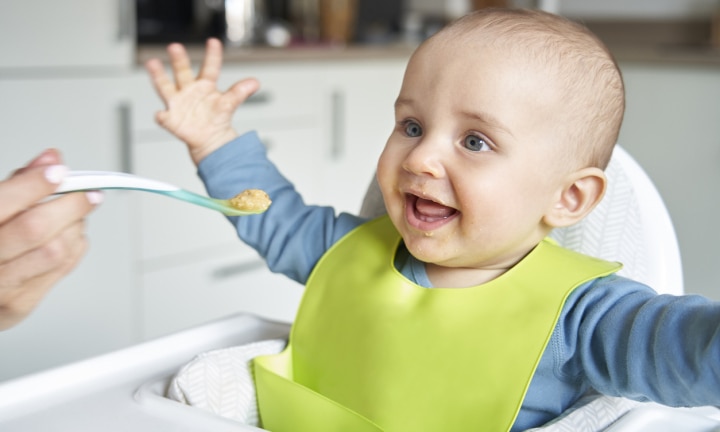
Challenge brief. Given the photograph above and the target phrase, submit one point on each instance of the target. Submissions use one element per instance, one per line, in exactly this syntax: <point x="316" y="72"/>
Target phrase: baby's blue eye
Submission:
<point x="412" y="129"/>
<point x="476" y="143"/>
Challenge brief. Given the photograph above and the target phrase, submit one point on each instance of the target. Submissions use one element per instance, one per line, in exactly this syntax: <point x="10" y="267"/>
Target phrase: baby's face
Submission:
<point x="472" y="165"/>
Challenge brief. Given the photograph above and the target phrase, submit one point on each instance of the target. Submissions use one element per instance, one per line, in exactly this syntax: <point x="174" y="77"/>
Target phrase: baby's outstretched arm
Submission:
<point x="196" y="111"/>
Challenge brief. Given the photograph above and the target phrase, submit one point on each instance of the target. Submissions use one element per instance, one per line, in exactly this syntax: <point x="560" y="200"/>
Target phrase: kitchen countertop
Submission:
<point x="669" y="42"/>
<point x="292" y="54"/>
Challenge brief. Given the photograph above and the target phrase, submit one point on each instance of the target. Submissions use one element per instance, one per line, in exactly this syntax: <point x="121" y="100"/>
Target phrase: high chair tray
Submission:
<point x="123" y="390"/>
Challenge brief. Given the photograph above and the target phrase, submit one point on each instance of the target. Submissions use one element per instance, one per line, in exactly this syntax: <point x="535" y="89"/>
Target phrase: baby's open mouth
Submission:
<point x="428" y="210"/>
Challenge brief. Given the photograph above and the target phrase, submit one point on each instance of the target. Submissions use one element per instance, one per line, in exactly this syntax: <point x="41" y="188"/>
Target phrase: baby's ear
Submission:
<point x="582" y="192"/>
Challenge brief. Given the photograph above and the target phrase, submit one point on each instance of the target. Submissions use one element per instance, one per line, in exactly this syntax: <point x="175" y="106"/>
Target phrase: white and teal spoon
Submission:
<point x="94" y="180"/>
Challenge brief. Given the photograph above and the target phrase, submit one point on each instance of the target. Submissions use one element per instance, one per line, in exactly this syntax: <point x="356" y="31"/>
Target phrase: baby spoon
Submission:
<point x="248" y="202"/>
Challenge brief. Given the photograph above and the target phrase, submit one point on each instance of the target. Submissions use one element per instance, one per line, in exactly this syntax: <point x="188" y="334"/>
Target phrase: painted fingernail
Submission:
<point x="46" y="157"/>
<point x="95" y="197"/>
<point x="55" y="173"/>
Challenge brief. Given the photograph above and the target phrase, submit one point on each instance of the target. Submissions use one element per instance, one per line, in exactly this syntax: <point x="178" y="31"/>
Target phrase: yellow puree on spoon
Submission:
<point x="251" y="200"/>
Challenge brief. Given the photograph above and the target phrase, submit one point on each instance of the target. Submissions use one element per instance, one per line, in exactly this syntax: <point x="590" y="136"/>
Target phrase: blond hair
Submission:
<point x="594" y="94"/>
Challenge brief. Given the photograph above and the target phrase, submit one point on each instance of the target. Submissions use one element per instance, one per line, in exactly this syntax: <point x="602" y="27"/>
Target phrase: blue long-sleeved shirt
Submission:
<point x="614" y="335"/>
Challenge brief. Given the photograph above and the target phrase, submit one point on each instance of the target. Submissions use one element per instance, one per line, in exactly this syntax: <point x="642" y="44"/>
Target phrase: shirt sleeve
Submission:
<point x="626" y="340"/>
<point x="291" y="236"/>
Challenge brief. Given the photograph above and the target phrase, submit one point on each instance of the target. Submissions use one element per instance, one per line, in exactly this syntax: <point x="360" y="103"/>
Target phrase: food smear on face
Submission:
<point x="251" y="200"/>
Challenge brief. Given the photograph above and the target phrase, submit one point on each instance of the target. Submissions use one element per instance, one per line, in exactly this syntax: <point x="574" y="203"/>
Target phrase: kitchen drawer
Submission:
<point x="184" y="296"/>
<point x="285" y="92"/>
<point x="287" y="95"/>
<point x="170" y="227"/>
<point x="66" y="36"/>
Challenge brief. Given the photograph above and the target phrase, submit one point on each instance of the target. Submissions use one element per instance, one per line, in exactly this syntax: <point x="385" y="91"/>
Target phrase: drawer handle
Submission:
<point x="124" y="115"/>
<point x="125" y="21"/>
<point x="258" y="98"/>
<point x="337" y="133"/>
<point x="232" y="270"/>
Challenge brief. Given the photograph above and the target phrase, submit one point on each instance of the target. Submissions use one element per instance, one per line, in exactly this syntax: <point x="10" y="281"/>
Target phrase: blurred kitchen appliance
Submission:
<point x="186" y="21"/>
<point x="244" y="21"/>
<point x="338" y="20"/>
<point x="379" y="21"/>
<point x="346" y="21"/>
<point x="715" y="30"/>
<point x="237" y="22"/>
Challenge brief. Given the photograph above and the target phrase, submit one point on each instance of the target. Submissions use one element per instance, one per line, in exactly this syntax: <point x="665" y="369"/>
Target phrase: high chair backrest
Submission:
<point x="631" y="225"/>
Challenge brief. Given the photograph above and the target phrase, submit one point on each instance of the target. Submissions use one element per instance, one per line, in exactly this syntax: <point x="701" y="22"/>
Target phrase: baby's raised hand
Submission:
<point x="196" y="111"/>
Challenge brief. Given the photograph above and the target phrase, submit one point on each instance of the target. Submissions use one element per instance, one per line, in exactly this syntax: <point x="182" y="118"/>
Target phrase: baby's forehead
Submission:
<point x="541" y="39"/>
<point x="566" y="57"/>
<point x="482" y="58"/>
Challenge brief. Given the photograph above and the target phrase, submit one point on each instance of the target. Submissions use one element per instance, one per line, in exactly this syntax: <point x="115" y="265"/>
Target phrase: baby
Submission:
<point x="454" y="312"/>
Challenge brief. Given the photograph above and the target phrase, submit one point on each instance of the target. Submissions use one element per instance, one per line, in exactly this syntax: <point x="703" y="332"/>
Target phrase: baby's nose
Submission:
<point x="425" y="159"/>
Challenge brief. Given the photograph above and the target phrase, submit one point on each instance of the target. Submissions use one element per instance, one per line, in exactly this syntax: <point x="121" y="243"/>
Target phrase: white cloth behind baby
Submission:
<point x="221" y="381"/>
<point x="613" y="231"/>
<point x="591" y="413"/>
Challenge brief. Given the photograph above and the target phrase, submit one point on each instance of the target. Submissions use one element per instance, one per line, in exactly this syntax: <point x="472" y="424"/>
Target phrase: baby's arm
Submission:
<point x="291" y="235"/>
<point x="196" y="111"/>
<point x="634" y="343"/>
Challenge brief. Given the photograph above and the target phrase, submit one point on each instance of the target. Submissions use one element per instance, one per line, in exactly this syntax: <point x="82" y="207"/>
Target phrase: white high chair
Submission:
<point x="125" y="390"/>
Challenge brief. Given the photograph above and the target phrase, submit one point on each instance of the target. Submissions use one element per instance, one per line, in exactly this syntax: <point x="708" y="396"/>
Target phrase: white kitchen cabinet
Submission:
<point x="82" y="116"/>
<point x="66" y="34"/>
<point x="215" y="284"/>
<point x="63" y="84"/>
<point x="193" y="268"/>
<point x="361" y="115"/>
<point x="672" y="128"/>
<point x="92" y="310"/>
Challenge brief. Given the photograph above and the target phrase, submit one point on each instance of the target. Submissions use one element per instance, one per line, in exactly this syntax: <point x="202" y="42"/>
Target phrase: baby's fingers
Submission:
<point x="212" y="62"/>
<point x="240" y="92"/>
<point x="180" y="63"/>
<point x="162" y="83"/>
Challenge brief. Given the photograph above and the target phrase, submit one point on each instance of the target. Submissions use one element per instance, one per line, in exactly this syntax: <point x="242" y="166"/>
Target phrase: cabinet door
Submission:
<point x="672" y="128"/>
<point x="193" y="266"/>
<point x="361" y="111"/>
<point x="90" y="311"/>
<point x="209" y="287"/>
<point x="67" y="33"/>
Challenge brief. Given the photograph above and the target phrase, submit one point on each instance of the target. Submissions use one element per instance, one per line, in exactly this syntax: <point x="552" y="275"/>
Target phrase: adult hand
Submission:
<point x="196" y="111"/>
<point x="40" y="240"/>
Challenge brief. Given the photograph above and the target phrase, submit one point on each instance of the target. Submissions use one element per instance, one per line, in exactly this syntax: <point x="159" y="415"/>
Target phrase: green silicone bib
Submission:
<point x="372" y="351"/>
